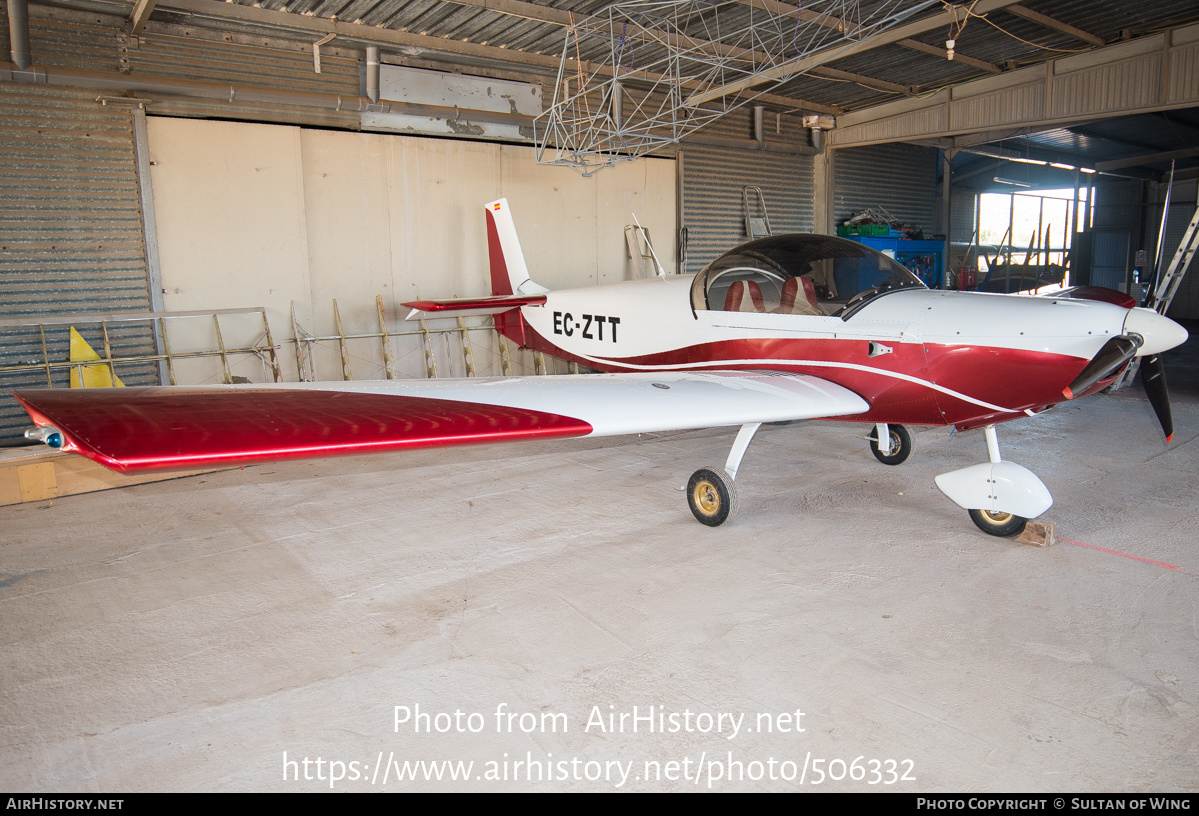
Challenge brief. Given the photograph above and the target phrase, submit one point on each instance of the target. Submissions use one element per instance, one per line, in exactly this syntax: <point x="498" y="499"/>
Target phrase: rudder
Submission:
<point x="509" y="274"/>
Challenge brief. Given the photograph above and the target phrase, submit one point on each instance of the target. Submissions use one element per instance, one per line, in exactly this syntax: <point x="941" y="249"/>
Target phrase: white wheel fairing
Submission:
<point x="998" y="487"/>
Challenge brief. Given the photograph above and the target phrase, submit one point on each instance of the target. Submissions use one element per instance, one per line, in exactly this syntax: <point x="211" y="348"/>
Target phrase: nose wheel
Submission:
<point x="898" y="441"/>
<point x="1000" y="496"/>
<point x="998" y="524"/>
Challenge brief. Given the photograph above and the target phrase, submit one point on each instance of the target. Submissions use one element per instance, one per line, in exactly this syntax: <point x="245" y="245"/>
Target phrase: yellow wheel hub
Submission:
<point x="707" y="498"/>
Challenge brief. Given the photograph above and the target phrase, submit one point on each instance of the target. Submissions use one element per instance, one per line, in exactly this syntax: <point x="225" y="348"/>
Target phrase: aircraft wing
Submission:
<point x="175" y="428"/>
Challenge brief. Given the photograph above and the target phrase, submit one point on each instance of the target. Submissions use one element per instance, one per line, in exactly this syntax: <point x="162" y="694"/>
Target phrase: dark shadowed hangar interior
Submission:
<point x="628" y="239"/>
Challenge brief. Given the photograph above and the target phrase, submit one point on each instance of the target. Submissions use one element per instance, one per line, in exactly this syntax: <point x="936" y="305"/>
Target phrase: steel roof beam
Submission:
<point x="558" y="17"/>
<point x="518" y="8"/>
<point x="833" y="22"/>
<point x="1057" y="25"/>
<point x="1031" y="155"/>
<point x="958" y="56"/>
<point x="141" y="15"/>
<point x="374" y="35"/>
<point x="1016" y="156"/>
<point x="805" y="15"/>
<point x="870" y="82"/>
<point x="1149" y="158"/>
<point x="565" y="19"/>
<point x="805" y="63"/>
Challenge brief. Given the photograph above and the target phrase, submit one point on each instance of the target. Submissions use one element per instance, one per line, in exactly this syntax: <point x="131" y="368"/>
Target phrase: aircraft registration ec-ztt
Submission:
<point x="782" y="328"/>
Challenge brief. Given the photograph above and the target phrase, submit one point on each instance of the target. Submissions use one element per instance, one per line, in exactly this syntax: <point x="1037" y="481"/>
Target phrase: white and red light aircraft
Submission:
<point x="782" y="328"/>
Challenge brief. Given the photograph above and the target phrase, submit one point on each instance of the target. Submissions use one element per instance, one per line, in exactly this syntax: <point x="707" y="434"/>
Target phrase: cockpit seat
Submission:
<point x="792" y="303"/>
<point x="744" y="296"/>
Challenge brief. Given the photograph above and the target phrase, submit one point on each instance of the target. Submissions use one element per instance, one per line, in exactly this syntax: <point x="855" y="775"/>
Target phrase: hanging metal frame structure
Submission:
<point x="643" y="74"/>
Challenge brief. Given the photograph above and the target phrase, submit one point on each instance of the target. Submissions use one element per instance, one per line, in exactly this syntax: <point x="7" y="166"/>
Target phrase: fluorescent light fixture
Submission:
<point x="1013" y="182"/>
<point x="1037" y="162"/>
<point x="1086" y="170"/>
<point x="1061" y="166"/>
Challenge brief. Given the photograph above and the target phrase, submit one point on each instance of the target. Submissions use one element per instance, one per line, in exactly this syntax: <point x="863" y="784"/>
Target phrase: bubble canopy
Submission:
<point x="799" y="274"/>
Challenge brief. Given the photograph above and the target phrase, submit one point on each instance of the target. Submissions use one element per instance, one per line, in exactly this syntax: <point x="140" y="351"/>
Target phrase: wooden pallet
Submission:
<point x="39" y="473"/>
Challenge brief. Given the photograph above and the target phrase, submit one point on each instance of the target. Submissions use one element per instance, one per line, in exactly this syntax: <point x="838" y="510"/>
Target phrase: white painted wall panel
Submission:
<point x="232" y="229"/>
<point x="253" y="215"/>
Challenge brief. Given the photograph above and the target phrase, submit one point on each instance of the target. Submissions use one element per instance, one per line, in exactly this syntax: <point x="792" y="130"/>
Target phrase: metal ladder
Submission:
<point x="755" y="226"/>
<point x="1167" y="285"/>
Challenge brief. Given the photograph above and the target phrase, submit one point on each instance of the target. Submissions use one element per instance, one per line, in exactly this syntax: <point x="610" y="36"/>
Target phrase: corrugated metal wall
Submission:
<point x="902" y="179"/>
<point x="713" y="178"/>
<point x="1116" y="224"/>
<point x="1117" y="202"/>
<point x="70" y="215"/>
<point x="72" y="39"/>
<point x="70" y="229"/>
<point x="215" y="57"/>
<point x="962" y="204"/>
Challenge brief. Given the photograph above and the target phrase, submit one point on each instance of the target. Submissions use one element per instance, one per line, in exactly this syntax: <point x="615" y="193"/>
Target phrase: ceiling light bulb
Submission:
<point x="949" y="44"/>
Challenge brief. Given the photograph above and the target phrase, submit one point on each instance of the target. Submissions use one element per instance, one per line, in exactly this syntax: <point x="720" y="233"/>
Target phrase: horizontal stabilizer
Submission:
<point x="465" y="307"/>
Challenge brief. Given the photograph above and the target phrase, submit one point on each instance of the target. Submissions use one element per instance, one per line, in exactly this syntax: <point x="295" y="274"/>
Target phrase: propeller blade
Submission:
<point x="1114" y="354"/>
<point x="1153" y="378"/>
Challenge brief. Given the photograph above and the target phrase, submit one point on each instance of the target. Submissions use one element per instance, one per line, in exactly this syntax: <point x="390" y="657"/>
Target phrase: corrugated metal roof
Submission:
<point x="1000" y="38"/>
<point x="531" y="35"/>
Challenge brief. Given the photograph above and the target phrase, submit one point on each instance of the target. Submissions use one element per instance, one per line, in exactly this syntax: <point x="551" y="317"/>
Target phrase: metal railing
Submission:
<point x="305" y="342"/>
<point x="264" y="348"/>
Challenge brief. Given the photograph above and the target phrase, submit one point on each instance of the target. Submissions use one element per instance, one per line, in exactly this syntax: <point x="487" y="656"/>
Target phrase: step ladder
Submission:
<point x="1167" y="286"/>
<point x="756" y="226"/>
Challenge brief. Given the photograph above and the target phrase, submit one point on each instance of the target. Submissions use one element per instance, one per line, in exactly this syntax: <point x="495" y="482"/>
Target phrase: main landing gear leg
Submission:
<point x="711" y="493"/>
<point x="1000" y="496"/>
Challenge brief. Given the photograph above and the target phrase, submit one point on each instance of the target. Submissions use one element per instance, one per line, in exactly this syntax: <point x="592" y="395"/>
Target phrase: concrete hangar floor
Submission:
<point x="490" y="614"/>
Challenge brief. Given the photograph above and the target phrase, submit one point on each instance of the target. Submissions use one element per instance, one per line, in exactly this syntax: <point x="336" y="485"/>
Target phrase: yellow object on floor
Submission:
<point x="92" y="376"/>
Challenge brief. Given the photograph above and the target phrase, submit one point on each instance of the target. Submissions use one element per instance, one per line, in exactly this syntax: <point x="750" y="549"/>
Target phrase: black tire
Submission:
<point x="901" y="445"/>
<point x="712" y="496"/>
<point x="1005" y="525"/>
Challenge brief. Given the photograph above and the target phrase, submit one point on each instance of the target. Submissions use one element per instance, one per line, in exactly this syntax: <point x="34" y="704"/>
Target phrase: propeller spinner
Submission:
<point x="1147" y="334"/>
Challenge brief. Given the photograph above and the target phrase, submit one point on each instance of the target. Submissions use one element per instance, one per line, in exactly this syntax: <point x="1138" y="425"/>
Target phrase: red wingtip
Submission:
<point x="1170" y="438"/>
<point x="1068" y="393"/>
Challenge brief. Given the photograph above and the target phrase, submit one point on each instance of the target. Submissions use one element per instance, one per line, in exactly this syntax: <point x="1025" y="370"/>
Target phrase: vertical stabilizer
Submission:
<point x="509" y="274"/>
